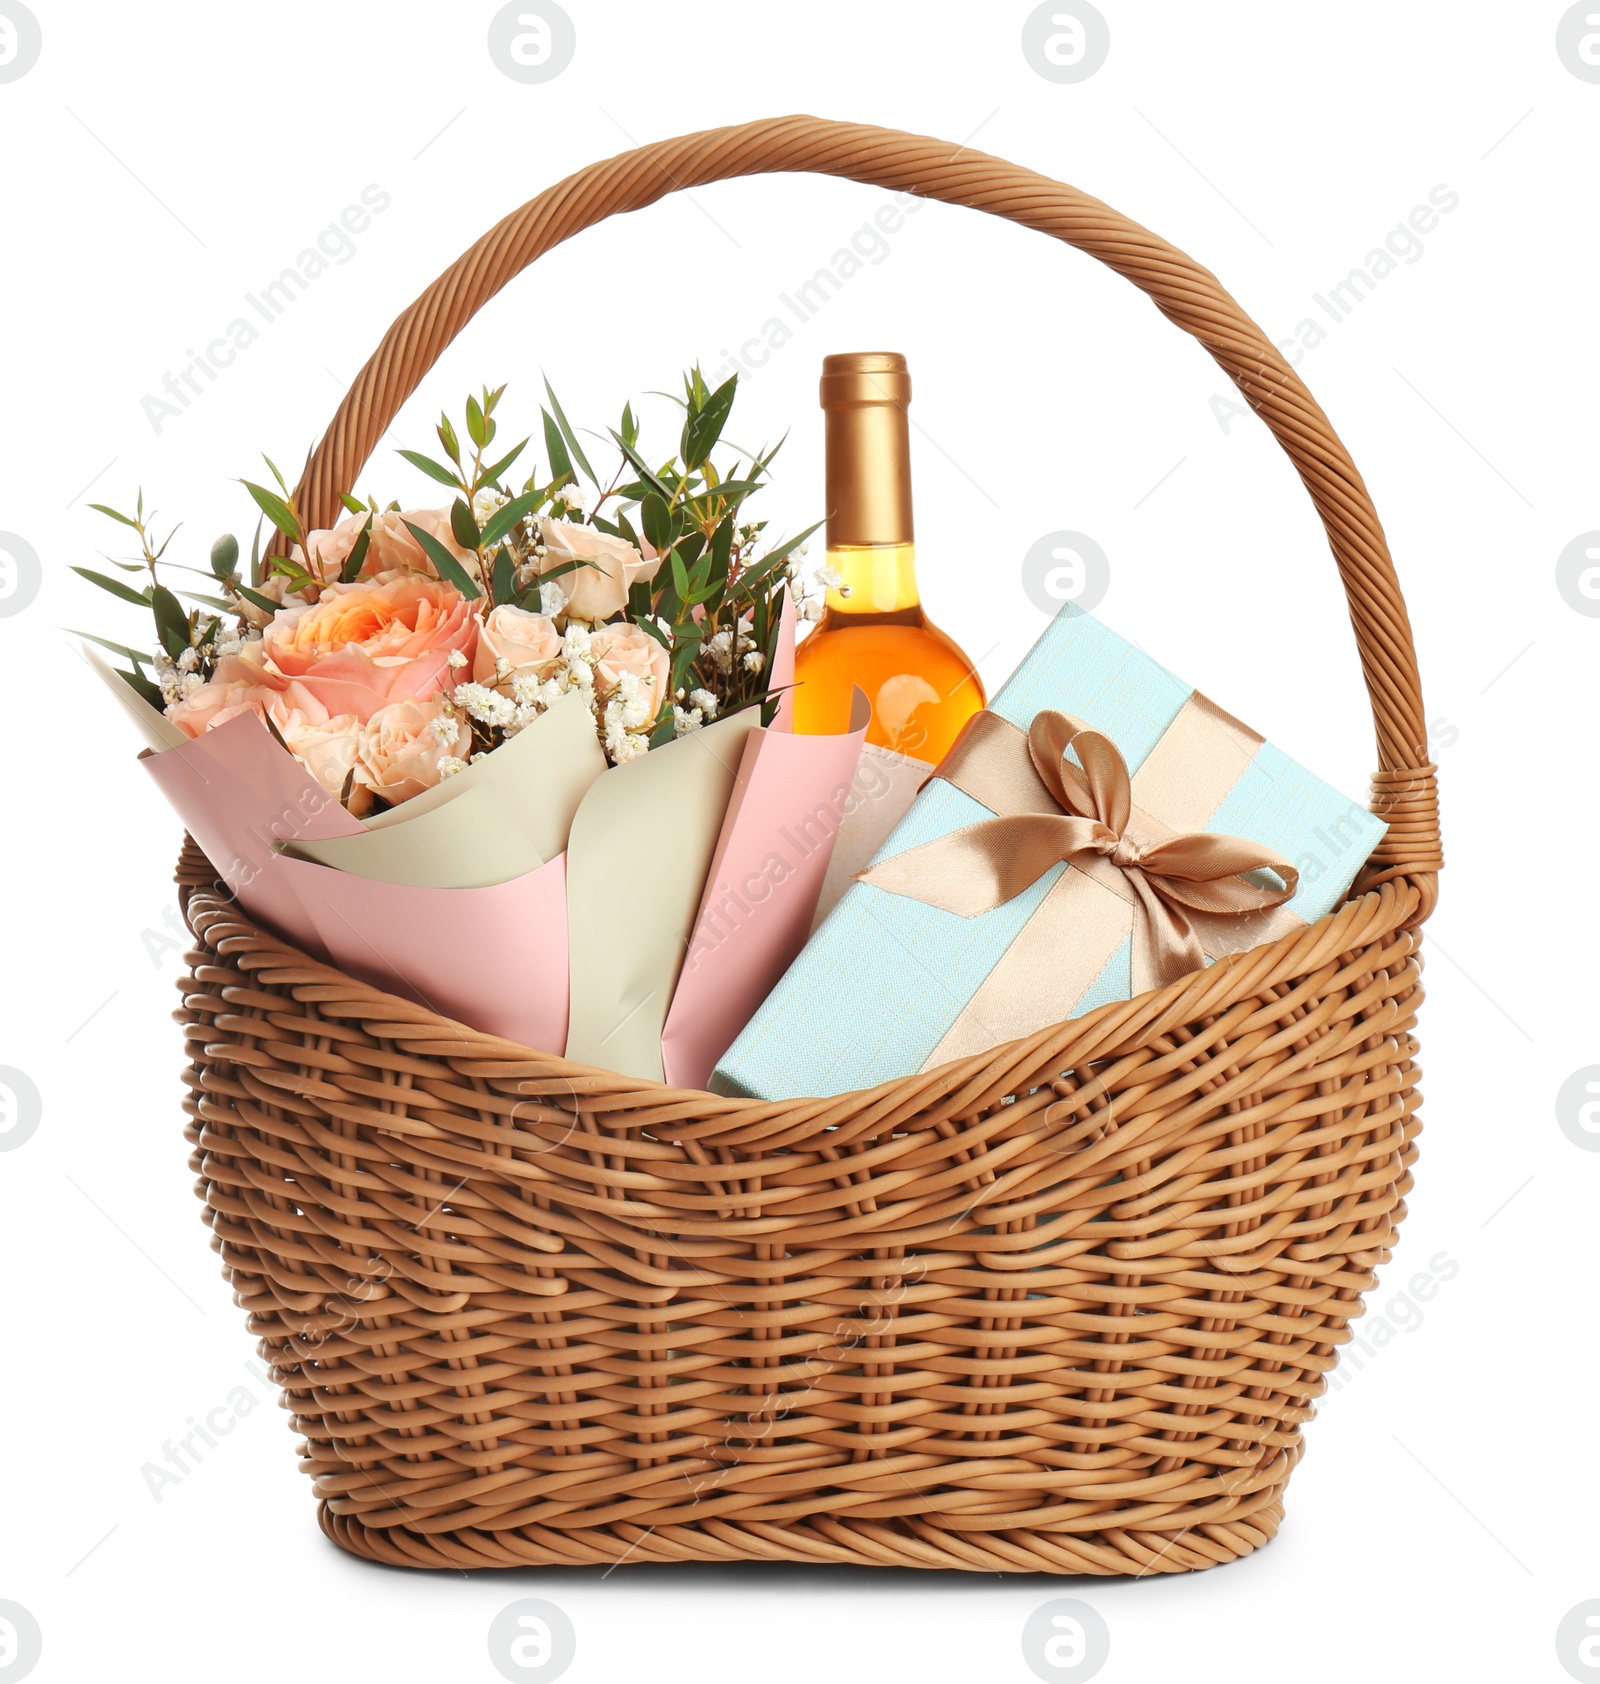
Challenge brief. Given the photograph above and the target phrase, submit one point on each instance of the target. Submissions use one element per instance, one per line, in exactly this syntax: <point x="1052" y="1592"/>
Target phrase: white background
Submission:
<point x="160" y="161"/>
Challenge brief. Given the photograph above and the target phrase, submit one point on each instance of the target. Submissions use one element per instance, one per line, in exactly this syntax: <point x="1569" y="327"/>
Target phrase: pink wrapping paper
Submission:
<point x="497" y="957"/>
<point x="761" y="890"/>
<point x="238" y="793"/>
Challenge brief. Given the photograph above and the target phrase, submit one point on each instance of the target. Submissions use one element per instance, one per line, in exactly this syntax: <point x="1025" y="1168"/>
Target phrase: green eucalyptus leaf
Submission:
<point x="356" y="560"/>
<point x="492" y="474"/>
<point x="702" y="430"/>
<point x="434" y="470"/>
<point x="475" y="423"/>
<point x="569" y="436"/>
<point x="225" y="556"/>
<point x="351" y="505"/>
<point x="141" y="687"/>
<point x="257" y="600"/>
<point x="449" y="568"/>
<point x="665" y="730"/>
<point x="115" y="586"/>
<point x="172" y="624"/>
<point x="104" y="509"/>
<point x="504" y="519"/>
<point x="463" y="525"/>
<point x="447" y="437"/>
<point x="556" y="449"/>
<point x="656" y="521"/>
<point x="276" y="510"/>
<point x="722" y="546"/>
<point x="134" y="655"/>
<point x="504" y="583"/>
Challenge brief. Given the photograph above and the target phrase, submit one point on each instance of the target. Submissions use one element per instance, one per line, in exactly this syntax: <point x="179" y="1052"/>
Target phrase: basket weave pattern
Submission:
<point x="1063" y="1306"/>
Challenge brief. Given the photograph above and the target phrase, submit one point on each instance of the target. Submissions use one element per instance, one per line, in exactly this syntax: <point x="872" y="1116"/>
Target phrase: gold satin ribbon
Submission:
<point x="1050" y="809"/>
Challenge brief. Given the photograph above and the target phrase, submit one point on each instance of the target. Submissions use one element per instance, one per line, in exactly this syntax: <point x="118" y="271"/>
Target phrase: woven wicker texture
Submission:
<point x="1060" y="1307"/>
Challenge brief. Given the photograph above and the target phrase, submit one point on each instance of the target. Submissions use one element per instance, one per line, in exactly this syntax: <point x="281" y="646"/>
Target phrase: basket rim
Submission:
<point x="977" y="1079"/>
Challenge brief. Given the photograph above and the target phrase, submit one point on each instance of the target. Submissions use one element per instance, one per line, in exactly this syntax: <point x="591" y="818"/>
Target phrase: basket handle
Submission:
<point x="1403" y="789"/>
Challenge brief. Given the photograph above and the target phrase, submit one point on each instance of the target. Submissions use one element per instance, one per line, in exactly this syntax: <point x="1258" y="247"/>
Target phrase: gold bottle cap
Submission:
<point x="868" y="456"/>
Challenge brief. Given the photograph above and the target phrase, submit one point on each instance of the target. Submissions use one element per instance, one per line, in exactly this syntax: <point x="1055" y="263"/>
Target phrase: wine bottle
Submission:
<point x="874" y="631"/>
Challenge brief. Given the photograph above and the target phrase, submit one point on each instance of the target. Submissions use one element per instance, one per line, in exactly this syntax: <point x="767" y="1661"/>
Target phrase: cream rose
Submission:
<point x="401" y="746"/>
<point x="626" y="648"/>
<point x="391" y="546"/>
<point x="324" y="743"/>
<point x="525" y="642"/>
<point x="598" y="589"/>
<point x="325" y="747"/>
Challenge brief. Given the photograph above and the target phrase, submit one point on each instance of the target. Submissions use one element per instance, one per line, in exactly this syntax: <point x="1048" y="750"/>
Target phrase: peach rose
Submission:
<point x="599" y="589"/>
<point x="391" y="546"/>
<point x="526" y="642"/>
<point x="236" y="687"/>
<point x="324" y="744"/>
<point x="402" y="745"/>
<point x="325" y="747"/>
<point x="361" y="646"/>
<point x="628" y="648"/>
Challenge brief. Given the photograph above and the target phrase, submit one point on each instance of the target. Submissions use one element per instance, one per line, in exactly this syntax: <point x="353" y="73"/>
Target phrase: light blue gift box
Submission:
<point x="887" y="982"/>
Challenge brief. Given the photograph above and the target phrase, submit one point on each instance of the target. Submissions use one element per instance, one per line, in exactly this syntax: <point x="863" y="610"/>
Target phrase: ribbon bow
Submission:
<point x="1051" y="808"/>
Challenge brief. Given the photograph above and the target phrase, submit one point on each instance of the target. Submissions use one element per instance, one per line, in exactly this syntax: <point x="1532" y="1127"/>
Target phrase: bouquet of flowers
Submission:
<point x="431" y="744"/>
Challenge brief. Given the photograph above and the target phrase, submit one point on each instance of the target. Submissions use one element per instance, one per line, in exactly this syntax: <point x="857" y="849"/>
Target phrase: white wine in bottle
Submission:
<point x="874" y="631"/>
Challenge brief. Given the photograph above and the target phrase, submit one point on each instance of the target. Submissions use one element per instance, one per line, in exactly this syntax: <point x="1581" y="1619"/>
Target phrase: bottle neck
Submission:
<point x="875" y="580"/>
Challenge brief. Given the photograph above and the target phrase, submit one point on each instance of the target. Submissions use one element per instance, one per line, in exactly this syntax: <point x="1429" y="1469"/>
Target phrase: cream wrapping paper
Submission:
<point x="538" y="894"/>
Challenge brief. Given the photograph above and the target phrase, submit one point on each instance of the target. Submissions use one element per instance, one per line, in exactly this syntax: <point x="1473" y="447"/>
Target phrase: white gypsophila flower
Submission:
<point x="484" y="704"/>
<point x="551" y="690"/>
<point x="704" y="702"/>
<point x="720" y="649"/>
<point x="575" y="644"/>
<point x="487" y="504"/>
<point x="188" y="659"/>
<point x="581" y="674"/>
<point x="685" y="720"/>
<point x="623" y="746"/>
<point x="754" y="661"/>
<point x="502" y="668"/>
<point x="810" y="611"/>
<point x="830" y="578"/>
<point x="449" y="765"/>
<point x="632" y="702"/>
<point x="552" y="599"/>
<point x="171" y="687"/>
<point x="455" y="660"/>
<point x="192" y="681"/>
<point x="444" y="729"/>
<point x="525" y="689"/>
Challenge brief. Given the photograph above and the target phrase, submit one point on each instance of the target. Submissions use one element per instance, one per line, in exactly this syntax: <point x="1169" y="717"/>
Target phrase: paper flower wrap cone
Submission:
<point x="631" y="917"/>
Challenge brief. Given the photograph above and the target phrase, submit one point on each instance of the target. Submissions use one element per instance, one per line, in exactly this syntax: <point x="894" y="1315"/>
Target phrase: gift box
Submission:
<point x="1189" y="837"/>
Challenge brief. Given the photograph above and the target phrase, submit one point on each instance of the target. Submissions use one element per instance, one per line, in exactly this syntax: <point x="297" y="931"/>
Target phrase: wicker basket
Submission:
<point x="1061" y="1307"/>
